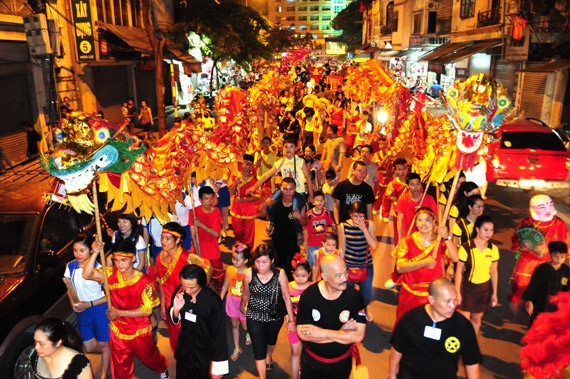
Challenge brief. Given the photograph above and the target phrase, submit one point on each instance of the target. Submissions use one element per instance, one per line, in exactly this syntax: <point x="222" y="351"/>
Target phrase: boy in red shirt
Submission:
<point x="409" y="202"/>
<point x="205" y="227"/>
<point x="319" y="220"/>
<point x="395" y="188"/>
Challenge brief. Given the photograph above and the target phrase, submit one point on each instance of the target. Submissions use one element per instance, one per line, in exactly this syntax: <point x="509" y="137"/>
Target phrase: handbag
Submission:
<point x="277" y="307"/>
<point x="358" y="274"/>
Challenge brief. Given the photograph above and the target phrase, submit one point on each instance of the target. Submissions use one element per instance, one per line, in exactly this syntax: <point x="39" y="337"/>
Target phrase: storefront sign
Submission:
<point x="517" y="50"/>
<point x="84" y="41"/>
<point x="416" y="41"/>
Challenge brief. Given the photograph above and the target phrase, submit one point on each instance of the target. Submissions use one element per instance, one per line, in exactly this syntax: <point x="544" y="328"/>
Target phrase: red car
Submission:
<point x="528" y="155"/>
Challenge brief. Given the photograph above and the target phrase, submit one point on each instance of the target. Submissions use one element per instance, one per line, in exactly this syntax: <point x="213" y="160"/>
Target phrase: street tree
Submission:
<point x="349" y="20"/>
<point x="227" y="30"/>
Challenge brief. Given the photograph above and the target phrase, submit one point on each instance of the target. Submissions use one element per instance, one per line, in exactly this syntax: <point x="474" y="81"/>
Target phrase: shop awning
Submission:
<point x="138" y="40"/>
<point x="442" y="50"/>
<point x="132" y="36"/>
<point x="467" y="51"/>
<point x="560" y="64"/>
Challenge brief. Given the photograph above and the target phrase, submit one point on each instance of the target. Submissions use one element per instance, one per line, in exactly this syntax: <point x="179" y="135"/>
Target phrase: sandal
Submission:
<point x="235" y="355"/>
<point x="269" y="230"/>
<point x="247" y="339"/>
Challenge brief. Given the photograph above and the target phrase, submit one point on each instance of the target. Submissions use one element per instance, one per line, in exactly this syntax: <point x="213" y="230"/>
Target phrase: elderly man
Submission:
<point x="428" y="339"/>
<point x="330" y="319"/>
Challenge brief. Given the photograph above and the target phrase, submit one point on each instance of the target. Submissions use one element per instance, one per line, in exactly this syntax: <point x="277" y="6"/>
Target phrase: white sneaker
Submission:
<point x="389" y="284"/>
<point x="165" y="375"/>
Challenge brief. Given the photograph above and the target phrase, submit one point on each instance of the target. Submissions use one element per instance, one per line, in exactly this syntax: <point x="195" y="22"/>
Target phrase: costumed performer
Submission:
<point x="133" y="297"/>
<point x="244" y="208"/>
<point x="169" y="262"/>
<point x="417" y="263"/>
<point x="532" y="251"/>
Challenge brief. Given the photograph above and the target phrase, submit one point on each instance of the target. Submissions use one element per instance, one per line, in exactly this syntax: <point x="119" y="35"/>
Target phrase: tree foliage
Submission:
<point x="349" y="20"/>
<point x="228" y="30"/>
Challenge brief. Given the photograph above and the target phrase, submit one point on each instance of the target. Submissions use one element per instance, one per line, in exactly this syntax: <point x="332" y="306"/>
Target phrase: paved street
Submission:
<point x="500" y="333"/>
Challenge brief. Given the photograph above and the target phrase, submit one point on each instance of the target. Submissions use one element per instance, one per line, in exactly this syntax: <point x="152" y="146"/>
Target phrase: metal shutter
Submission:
<point x="14" y="108"/>
<point x="532" y="95"/>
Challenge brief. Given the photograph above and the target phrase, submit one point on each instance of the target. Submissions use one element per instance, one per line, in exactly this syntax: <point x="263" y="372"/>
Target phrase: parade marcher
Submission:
<point x="290" y="166"/>
<point x="286" y="238"/>
<point x="208" y="222"/>
<point x="169" y="262"/>
<point x="129" y="229"/>
<point x="91" y="309"/>
<point x="233" y="287"/>
<point x="264" y="160"/>
<point x="395" y="188"/>
<point x="302" y="280"/>
<point x="417" y="263"/>
<point x="547" y="280"/>
<point x="532" y="247"/>
<point x="429" y="339"/>
<point x="244" y="207"/>
<point x="477" y="274"/>
<point x="133" y="298"/>
<point x="330" y="320"/>
<point x="202" y="350"/>
<point x="319" y="220"/>
<point x="264" y="285"/>
<point x="352" y="190"/>
<point x="333" y="150"/>
<point x="357" y="244"/>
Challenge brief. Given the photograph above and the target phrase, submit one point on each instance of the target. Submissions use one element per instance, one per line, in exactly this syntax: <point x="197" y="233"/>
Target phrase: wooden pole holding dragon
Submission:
<point x="102" y="257"/>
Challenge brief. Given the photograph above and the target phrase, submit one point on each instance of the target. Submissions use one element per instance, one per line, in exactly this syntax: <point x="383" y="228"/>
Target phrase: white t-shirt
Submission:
<point x="287" y="168"/>
<point x="87" y="290"/>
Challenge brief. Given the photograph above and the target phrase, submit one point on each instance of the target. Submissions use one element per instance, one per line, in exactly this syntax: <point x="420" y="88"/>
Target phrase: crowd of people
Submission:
<point x="316" y="274"/>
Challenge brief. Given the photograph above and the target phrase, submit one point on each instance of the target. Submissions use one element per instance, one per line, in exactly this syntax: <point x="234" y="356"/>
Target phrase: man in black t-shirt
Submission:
<point x="353" y="190"/>
<point x="428" y="339"/>
<point x="284" y="238"/>
<point x="330" y="319"/>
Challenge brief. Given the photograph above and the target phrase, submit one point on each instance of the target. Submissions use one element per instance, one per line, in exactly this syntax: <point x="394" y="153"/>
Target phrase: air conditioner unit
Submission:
<point x="433" y="6"/>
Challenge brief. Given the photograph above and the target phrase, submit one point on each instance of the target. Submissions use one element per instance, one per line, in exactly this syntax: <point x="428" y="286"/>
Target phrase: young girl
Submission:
<point x="330" y="246"/>
<point x="91" y="308"/>
<point x="301" y="275"/>
<point x="233" y="285"/>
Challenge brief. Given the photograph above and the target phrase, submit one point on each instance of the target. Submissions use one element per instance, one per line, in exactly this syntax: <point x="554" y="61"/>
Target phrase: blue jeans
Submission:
<point x="365" y="287"/>
<point x="298" y="203"/>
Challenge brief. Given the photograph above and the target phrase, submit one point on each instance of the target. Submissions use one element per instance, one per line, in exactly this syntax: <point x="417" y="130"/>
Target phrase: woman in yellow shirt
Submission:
<point x="476" y="276"/>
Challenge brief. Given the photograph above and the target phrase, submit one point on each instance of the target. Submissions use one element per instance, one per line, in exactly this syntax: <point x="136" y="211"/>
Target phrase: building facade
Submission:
<point x="520" y="43"/>
<point x="96" y="53"/>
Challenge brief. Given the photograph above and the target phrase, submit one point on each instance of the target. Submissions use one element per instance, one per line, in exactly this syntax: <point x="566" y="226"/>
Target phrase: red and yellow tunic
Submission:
<point x="138" y="292"/>
<point x="168" y="278"/>
<point x="414" y="291"/>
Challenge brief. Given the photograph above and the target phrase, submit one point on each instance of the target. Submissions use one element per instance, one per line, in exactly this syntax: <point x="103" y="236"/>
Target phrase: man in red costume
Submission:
<point x="133" y="297"/>
<point x="533" y="251"/>
<point x="244" y="209"/>
<point x="169" y="262"/>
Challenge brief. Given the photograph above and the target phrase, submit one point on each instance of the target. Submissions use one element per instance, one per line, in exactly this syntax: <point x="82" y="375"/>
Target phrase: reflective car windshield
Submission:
<point x="15" y="232"/>
<point x="531" y="140"/>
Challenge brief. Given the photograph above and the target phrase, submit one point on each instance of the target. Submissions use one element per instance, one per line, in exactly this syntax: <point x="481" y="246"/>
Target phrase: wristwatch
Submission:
<point x="448" y="238"/>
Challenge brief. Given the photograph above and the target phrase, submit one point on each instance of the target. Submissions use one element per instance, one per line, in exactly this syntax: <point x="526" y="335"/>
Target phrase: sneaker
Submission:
<point x="165" y="375"/>
<point x="389" y="284"/>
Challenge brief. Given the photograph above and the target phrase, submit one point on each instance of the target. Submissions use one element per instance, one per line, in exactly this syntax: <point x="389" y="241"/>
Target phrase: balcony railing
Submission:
<point x="490" y="17"/>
